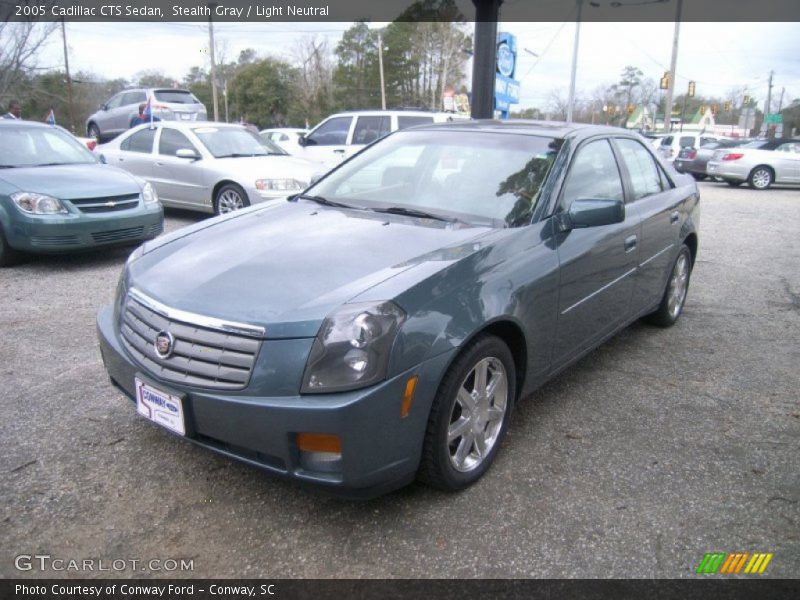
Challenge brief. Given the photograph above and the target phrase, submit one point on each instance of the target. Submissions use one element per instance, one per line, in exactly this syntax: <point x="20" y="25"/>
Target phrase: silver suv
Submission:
<point x="114" y="117"/>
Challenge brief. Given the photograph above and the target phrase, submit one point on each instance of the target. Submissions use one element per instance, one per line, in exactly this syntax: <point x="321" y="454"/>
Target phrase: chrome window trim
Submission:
<point x="190" y="318"/>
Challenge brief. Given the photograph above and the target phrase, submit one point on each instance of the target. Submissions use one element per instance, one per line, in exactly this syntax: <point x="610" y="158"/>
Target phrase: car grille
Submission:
<point x="201" y="356"/>
<point x="55" y="240"/>
<point x="118" y="235"/>
<point x="102" y="205"/>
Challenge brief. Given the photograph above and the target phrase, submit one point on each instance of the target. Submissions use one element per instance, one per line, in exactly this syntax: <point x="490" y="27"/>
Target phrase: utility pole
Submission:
<point x="768" y="104"/>
<point x="380" y="66"/>
<point x="673" y="63"/>
<point x="573" y="73"/>
<point x="69" y="79"/>
<point x="780" y="102"/>
<point x="213" y="5"/>
<point x="484" y="61"/>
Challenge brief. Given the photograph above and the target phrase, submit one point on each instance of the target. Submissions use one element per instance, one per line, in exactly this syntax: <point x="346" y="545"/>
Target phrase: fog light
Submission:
<point x="320" y="452"/>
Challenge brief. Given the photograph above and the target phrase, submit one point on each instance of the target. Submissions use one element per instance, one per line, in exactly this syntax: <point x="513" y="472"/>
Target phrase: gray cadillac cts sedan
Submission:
<point x="382" y="325"/>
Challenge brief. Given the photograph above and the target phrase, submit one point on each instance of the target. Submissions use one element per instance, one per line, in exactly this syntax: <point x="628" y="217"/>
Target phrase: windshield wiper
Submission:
<point x="239" y="155"/>
<point x="413" y="212"/>
<point x="325" y="201"/>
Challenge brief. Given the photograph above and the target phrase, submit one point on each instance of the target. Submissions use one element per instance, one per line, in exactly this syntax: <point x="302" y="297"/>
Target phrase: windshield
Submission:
<point x="466" y="175"/>
<point x="225" y="142"/>
<point x="26" y="146"/>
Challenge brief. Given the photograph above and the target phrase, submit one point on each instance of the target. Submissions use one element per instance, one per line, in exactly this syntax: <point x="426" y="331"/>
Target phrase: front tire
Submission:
<point x="8" y="256"/>
<point x="674" y="297"/>
<point x="761" y="178"/>
<point x="469" y="416"/>
<point x="230" y="197"/>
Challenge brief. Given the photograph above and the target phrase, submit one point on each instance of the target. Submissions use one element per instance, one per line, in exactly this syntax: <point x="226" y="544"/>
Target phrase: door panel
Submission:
<point x="597" y="263"/>
<point x="179" y="181"/>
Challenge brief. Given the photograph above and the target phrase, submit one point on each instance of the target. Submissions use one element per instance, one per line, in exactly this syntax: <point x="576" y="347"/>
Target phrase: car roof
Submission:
<point x="556" y="129"/>
<point x="192" y="125"/>
<point x="390" y="111"/>
<point x="18" y="122"/>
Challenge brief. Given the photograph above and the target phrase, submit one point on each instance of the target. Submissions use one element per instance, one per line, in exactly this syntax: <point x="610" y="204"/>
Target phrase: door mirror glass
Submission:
<point x="302" y="140"/>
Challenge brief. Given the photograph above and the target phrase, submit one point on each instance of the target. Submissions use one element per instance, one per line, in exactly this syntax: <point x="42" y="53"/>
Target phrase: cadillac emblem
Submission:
<point x="164" y="344"/>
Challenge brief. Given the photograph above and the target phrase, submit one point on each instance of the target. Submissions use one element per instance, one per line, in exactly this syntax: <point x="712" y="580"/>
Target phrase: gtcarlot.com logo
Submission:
<point x="731" y="563"/>
<point x="46" y="562"/>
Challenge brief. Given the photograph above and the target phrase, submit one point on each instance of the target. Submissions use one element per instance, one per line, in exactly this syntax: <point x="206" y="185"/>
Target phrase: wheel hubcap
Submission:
<point x="761" y="178"/>
<point x="678" y="285"/>
<point x="478" y="414"/>
<point x="230" y="200"/>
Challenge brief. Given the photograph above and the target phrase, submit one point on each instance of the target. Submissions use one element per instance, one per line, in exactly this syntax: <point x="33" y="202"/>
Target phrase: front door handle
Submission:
<point x="673" y="218"/>
<point x="338" y="151"/>
<point x="630" y="243"/>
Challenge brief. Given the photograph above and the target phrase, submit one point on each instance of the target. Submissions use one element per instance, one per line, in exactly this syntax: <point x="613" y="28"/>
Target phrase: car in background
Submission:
<point x="210" y="167"/>
<point x="287" y="138"/>
<point x="56" y="196"/>
<point x="694" y="160"/>
<point x="382" y="325"/>
<point x="341" y="135"/>
<point x="168" y="104"/>
<point x="760" y="163"/>
<point x="670" y="145"/>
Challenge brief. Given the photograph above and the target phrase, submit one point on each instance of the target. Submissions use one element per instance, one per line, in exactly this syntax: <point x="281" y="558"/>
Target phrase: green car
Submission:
<point x="56" y="196"/>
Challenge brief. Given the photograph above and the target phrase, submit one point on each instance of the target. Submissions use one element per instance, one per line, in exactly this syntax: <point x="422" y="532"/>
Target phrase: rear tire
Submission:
<point x="230" y="197"/>
<point x="93" y="131"/>
<point x="761" y="178"/>
<point x="699" y="176"/>
<point x="674" y="296"/>
<point x="469" y="416"/>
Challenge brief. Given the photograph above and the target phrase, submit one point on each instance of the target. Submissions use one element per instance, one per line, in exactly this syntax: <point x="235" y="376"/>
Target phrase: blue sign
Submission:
<point x="506" y="88"/>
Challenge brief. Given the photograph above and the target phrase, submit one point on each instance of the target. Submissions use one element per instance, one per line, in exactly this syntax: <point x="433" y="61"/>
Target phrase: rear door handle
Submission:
<point x="338" y="151"/>
<point x="630" y="243"/>
<point x="673" y="218"/>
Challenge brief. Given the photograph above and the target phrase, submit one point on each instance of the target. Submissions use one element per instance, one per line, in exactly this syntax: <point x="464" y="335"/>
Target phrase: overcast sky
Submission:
<point x="718" y="56"/>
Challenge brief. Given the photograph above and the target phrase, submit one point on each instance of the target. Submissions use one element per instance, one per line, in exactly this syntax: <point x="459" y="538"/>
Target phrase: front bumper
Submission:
<point x="58" y="233"/>
<point x="380" y="449"/>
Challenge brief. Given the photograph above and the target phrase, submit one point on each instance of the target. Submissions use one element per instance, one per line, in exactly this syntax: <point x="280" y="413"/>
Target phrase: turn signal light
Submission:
<point x="733" y="156"/>
<point x="320" y="452"/>
<point x="319" y="442"/>
<point x="408" y="396"/>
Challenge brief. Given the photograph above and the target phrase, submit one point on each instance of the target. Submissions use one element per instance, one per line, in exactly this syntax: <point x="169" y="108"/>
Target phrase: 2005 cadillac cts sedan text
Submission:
<point x="381" y="325"/>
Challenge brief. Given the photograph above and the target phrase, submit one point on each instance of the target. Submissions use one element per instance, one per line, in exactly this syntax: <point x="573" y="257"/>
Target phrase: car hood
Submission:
<point x="288" y="265"/>
<point x="73" y="181"/>
<point x="263" y="167"/>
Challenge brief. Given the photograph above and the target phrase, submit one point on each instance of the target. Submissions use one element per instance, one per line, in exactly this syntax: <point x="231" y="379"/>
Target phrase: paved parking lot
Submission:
<point x="660" y="446"/>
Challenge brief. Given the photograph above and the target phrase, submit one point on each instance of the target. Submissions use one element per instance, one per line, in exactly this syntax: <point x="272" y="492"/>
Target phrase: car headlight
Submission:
<point x="38" y="204"/>
<point x="149" y="194"/>
<point x="279" y="185"/>
<point x="352" y="348"/>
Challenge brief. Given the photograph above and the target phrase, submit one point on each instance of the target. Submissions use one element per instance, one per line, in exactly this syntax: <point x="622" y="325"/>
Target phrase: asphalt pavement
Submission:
<point x="658" y="447"/>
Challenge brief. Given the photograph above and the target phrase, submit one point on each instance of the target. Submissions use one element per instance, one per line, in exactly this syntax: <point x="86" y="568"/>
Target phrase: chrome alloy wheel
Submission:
<point x="678" y="284"/>
<point x="761" y="179"/>
<point x="230" y="200"/>
<point x="478" y="414"/>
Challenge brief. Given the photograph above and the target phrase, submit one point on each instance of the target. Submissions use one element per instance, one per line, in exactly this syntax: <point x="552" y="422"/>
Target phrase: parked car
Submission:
<point x="671" y="145"/>
<point x="211" y="167"/>
<point x="168" y="104"/>
<point x="341" y="135"/>
<point x="55" y="196"/>
<point x="760" y="163"/>
<point x="287" y="138"/>
<point x="694" y="160"/>
<point x="382" y="324"/>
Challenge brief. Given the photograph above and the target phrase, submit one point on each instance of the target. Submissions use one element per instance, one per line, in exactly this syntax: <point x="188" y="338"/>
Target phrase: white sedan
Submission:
<point x="211" y="167"/>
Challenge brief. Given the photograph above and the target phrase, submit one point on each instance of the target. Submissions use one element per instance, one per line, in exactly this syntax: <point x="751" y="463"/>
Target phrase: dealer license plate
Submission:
<point x="160" y="407"/>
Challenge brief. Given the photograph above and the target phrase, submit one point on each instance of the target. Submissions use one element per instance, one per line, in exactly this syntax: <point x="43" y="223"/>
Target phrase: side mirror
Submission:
<point x="102" y="159"/>
<point x="187" y="153"/>
<point x="591" y="212"/>
<point x="317" y="176"/>
<point x="302" y="141"/>
<point x="102" y="107"/>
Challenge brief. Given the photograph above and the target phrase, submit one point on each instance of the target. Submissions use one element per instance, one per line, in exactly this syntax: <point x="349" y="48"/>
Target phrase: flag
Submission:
<point x="51" y="117"/>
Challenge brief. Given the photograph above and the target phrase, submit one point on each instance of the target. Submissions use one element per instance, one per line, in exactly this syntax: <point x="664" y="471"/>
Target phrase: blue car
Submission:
<point x="381" y="326"/>
<point x="56" y="196"/>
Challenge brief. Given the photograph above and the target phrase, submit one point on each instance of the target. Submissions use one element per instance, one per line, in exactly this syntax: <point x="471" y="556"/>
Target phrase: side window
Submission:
<point x="666" y="140"/>
<point x="141" y="141"/>
<point x="704" y="141"/>
<point x="369" y="129"/>
<point x="645" y="178"/>
<point x="406" y="121"/>
<point x="115" y="101"/>
<point x="593" y="174"/>
<point x="132" y="98"/>
<point x="171" y="141"/>
<point x="332" y="132"/>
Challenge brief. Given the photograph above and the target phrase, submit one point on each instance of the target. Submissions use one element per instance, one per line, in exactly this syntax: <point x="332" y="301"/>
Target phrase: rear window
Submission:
<point x="175" y="96"/>
<point x="404" y="122"/>
<point x="686" y="140"/>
